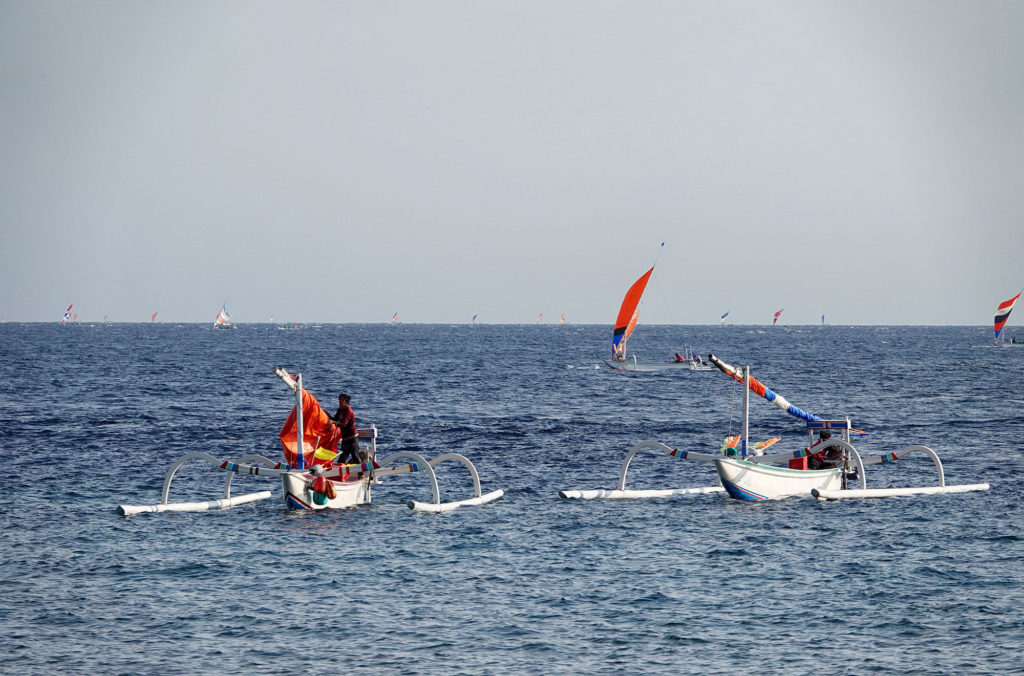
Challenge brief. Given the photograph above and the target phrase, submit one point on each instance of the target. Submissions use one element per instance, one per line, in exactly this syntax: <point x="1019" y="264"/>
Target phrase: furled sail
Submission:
<point x="759" y="389"/>
<point x="1003" y="313"/>
<point x="317" y="431"/>
<point x="628" y="314"/>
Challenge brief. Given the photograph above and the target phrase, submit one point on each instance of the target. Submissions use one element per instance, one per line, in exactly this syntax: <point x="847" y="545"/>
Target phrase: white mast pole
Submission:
<point x="746" y="410"/>
<point x="300" y="460"/>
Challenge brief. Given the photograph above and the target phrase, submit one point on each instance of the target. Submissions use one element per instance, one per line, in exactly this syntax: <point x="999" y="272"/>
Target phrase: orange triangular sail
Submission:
<point x="626" y="321"/>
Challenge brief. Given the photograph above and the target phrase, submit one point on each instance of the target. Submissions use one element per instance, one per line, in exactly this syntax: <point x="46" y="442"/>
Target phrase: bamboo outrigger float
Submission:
<point x="313" y="481"/>
<point x="746" y="473"/>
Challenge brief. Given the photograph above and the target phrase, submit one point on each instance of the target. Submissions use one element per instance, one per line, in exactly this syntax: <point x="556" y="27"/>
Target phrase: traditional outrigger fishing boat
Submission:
<point x="626" y="321"/>
<point x="309" y="476"/>
<point x="687" y="361"/>
<point x="223" y="320"/>
<point x="1002" y="316"/>
<point x="1003" y="311"/>
<point x="745" y="472"/>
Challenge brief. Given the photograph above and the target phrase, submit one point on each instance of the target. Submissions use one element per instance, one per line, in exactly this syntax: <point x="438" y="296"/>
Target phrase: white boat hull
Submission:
<point x="298" y="493"/>
<point x="632" y="365"/>
<point x="746" y="480"/>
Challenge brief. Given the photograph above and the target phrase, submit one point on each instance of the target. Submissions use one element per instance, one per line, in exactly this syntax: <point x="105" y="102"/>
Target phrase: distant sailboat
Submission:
<point x="153" y="317"/>
<point x="540" y="317"/>
<point x="67" y="314"/>
<point x="1002" y="315"/>
<point x="474" y="319"/>
<point x="823" y="320"/>
<point x="223" y="320"/>
<point x="722" y="320"/>
<point x="776" y="317"/>
<point x="561" y="320"/>
<point x="624" y="325"/>
<point x="394" y="318"/>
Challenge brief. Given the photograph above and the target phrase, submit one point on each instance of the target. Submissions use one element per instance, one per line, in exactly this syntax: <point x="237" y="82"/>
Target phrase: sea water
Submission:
<point x="93" y="415"/>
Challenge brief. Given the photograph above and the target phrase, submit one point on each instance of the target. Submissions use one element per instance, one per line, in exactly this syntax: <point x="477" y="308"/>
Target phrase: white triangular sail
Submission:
<point x="223" y="320"/>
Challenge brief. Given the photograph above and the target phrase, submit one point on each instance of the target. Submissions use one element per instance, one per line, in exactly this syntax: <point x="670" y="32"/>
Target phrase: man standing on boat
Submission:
<point x="345" y="419"/>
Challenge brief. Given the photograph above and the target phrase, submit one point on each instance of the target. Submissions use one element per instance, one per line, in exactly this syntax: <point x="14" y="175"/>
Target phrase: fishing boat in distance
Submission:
<point x="828" y="468"/>
<point x="310" y="476"/>
<point x="626" y="322"/>
<point x="687" y="361"/>
<point x="1002" y="315"/>
<point x="223" y="320"/>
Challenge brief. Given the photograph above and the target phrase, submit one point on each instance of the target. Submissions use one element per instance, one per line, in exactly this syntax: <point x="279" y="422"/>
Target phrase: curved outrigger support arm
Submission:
<point x="166" y="506"/>
<point x="248" y="459"/>
<point x="658" y="446"/>
<point x="893" y="457"/>
<point x="622" y="492"/>
<point x="421" y="464"/>
<point x="428" y="466"/>
<point x="177" y="465"/>
<point x="465" y="461"/>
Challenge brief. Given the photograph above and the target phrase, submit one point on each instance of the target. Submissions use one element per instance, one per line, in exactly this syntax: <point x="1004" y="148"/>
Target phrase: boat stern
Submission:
<point x="300" y="493"/>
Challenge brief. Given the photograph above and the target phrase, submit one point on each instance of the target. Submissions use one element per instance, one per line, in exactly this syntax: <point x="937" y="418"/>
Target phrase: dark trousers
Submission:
<point x="349" y="449"/>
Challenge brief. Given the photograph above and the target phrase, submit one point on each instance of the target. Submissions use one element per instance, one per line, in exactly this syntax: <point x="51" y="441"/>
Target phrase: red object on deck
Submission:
<point x="798" y="463"/>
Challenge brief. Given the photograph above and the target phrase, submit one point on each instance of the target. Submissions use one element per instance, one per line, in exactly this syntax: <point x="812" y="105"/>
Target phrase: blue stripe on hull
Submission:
<point x="292" y="502"/>
<point x="740" y="493"/>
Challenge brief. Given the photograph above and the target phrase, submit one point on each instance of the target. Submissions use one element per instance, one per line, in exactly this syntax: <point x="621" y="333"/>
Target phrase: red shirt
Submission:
<point x="346" y="420"/>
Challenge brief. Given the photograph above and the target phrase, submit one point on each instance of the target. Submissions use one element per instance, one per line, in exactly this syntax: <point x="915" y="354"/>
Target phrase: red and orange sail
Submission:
<point x="626" y="321"/>
<point x="1003" y="313"/>
<point x="317" y="431"/>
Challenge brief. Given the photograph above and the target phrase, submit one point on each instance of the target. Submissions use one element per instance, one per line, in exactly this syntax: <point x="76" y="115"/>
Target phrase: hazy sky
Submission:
<point x="341" y="161"/>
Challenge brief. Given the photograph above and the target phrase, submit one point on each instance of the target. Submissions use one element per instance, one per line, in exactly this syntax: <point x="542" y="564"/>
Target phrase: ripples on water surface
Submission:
<point x="93" y="416"/>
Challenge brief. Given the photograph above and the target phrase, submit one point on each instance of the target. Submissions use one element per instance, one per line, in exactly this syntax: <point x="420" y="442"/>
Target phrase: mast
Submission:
<point x="296" y="386"/>
<point x="300" y="456"/>
<point x="746" y="411"/>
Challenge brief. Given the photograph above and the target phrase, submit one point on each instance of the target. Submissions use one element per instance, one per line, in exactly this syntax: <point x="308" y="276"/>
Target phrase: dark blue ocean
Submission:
<point x="93" y="415"/>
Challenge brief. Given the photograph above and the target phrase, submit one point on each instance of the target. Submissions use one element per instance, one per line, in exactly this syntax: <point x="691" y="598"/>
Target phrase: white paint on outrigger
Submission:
<point x="642" y="493"/>
<point x="853" y="493"/>
<point x="128" y="510"/>
<point x="621" y="492"/>
<point x="438" y="507"/>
